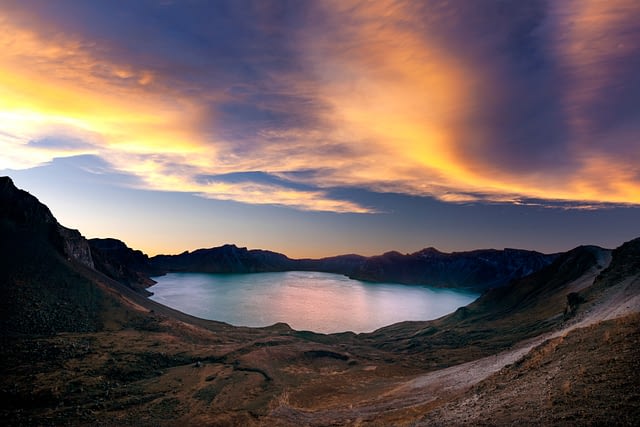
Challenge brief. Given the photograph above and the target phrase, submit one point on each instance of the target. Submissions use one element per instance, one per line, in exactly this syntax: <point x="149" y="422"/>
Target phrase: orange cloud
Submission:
<point x="51" y="87"/>
<point x="399" y="111"/>
<point x="411" y="102"/>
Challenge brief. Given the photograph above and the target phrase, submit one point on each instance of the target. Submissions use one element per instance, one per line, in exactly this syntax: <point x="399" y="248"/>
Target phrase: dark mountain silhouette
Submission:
<point x="40" y="292"/>
<point x="224" y="259"/>
<point x="348" y="265"/>
<point x="477" y="270"/>
<point x="128" y="266"/>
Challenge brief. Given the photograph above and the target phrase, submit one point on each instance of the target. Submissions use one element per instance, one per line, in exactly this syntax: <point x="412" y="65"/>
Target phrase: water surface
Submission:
<point x="320" y="302"/>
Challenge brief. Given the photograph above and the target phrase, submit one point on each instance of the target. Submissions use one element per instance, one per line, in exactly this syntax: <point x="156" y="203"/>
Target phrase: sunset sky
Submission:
<point x="324" y="127"/>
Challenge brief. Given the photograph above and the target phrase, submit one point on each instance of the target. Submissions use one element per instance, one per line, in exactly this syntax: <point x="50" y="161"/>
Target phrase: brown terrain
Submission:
<point x="558" y="347"/>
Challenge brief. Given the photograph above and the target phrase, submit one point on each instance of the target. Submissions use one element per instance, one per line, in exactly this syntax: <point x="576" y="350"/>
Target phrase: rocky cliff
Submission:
<point x="75" y="246"/>
<point x="128" y="266"/>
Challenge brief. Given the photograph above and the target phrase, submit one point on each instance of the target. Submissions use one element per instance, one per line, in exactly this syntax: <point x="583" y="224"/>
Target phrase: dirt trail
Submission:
<point x="620" y="301"/>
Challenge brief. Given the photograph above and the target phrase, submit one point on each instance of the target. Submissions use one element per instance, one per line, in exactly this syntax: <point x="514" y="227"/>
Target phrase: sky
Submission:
<point x="317" y="128"/>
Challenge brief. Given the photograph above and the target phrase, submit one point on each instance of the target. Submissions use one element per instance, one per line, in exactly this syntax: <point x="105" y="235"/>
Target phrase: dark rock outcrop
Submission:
<point x="625" y="261"/>
<point x="574" y="299"/>
<point x="75" y="246"/>
<point x="118" y="261"/>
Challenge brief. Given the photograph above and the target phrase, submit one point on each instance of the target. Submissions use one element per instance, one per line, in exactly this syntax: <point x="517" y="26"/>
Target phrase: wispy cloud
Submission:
<point x="462" y="101"/>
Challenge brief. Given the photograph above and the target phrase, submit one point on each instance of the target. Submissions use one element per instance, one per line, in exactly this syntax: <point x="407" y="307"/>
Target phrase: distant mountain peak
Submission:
<point x="228" y="246"/>
<point x="392" y="254"/>
<point x="429" y="252"/>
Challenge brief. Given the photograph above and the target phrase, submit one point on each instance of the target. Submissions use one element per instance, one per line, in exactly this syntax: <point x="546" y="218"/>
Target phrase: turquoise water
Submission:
<point x="319" y="302"/>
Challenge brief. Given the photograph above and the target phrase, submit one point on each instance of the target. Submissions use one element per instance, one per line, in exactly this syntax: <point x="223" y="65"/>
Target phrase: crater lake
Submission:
<point x="319" y="302"/>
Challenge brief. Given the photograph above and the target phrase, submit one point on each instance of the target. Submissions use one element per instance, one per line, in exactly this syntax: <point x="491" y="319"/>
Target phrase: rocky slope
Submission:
<point x="518" y="311"/>
<point x="39" y="291"/>
<point x="78" y="347"/>
<point x="128" y="266"/>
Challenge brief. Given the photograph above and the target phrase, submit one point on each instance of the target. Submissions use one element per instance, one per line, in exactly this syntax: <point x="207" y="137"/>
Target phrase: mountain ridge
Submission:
<point x="479" y="269"/>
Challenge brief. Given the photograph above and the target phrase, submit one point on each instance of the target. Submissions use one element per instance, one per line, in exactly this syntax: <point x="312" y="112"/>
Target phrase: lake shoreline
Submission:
<point x="312" y="301"/>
